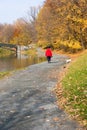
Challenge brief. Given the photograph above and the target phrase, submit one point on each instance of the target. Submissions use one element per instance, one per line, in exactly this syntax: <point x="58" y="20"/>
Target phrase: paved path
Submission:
<point x="27" y="101"/>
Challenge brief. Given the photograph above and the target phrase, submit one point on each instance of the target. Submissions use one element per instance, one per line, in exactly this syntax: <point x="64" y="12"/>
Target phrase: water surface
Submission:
<point x="21" y="61"/>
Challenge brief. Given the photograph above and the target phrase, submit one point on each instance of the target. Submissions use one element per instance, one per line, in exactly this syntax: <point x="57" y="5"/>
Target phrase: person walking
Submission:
<point x="48" y="54"/>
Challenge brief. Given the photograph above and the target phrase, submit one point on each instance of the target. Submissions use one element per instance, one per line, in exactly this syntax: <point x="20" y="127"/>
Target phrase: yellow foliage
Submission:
<point x="74" y="45"/>
<point x="42" y="43"/>
<point x="71" y="46"/>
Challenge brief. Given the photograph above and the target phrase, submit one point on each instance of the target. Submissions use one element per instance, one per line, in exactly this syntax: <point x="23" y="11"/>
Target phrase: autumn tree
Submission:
<point x="30" y="21"/>
<point x="51" y="24"/>
<point x="6" y="33"/>
<point x="76" y="21"/>
<point x="23" y="31"/>
<point x="63" y="23"/>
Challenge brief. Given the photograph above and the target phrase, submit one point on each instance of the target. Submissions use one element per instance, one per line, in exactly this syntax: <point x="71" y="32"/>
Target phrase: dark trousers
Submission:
<point x="48" y="58"/>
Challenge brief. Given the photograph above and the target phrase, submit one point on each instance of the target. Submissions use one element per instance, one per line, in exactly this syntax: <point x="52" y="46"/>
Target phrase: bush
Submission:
<point x="72" y="46"/>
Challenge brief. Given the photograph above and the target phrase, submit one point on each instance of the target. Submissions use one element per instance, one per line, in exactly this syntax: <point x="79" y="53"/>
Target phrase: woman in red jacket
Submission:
<point x="48" y="54"/>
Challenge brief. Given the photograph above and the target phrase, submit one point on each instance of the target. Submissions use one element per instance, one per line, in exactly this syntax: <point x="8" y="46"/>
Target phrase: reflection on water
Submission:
<point x="12" y="63"/>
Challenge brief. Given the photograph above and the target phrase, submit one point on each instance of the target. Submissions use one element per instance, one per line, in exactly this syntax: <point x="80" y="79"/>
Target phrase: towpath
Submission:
<point x="27" y="101"/>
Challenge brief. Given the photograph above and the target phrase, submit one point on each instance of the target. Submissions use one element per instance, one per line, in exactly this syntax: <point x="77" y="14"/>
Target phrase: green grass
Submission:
<point x="4" y="52"/>
<point x="75" y="89"/>
<point x="3" y="74"/>
<point x="31" y="52"/>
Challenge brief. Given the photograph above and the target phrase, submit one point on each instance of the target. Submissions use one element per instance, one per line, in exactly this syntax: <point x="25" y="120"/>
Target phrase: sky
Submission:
<point x="11" y="10"/>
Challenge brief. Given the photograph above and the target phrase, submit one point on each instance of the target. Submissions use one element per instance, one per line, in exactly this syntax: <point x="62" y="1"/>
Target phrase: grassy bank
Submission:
<point x="31" y="52"/>
<point x="3" y="74"/>
<point x="74" y="89"/>
<point x="5" y="52"/>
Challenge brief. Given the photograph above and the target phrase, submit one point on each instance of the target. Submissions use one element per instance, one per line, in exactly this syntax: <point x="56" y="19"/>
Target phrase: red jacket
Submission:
<point x="48" y="52"/>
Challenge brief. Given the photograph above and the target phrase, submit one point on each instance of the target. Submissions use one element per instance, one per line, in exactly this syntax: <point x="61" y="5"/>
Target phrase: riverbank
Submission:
<point x="27" y="101"/>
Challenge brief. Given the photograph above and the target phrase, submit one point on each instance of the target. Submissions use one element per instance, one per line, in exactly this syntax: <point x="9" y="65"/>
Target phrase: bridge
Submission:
<point x="9" y="46"/>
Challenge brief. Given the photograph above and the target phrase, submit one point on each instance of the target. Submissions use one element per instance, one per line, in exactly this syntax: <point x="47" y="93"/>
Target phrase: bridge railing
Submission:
<point x="8" y="45"/>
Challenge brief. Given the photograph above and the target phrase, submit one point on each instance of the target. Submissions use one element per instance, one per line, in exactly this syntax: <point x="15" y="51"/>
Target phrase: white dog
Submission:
<point x="68" y="60"/>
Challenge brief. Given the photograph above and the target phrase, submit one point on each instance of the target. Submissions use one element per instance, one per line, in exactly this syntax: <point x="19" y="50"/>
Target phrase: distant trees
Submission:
<point x="61" y="23"/>
<point x="6" y="32"/>
<point x="23" y="31"/>
<point x="30" y="21"/>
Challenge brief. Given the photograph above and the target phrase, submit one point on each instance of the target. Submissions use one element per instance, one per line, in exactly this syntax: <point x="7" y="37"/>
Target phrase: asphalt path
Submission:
<point x="27" y="101"/>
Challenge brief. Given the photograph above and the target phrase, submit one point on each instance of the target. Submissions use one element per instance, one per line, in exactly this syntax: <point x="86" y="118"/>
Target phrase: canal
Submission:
<point x="11" y="63"/>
